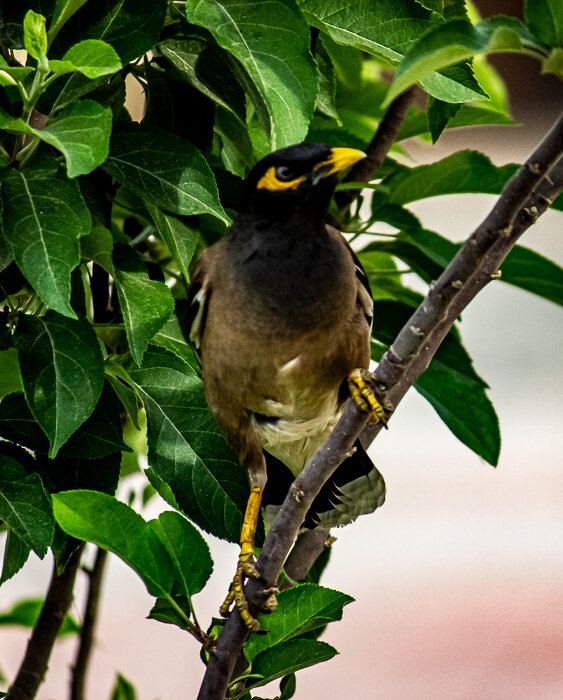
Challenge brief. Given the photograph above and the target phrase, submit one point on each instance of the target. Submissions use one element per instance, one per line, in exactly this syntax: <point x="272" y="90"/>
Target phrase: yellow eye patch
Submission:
<point x="270" y="181"/>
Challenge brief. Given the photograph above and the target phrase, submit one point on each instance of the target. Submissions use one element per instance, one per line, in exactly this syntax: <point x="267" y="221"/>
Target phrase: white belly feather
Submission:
<point x="299" y="428"/>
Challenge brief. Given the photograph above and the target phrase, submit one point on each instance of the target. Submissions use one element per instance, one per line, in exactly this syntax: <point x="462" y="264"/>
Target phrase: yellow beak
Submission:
<point x="339" y="159"/>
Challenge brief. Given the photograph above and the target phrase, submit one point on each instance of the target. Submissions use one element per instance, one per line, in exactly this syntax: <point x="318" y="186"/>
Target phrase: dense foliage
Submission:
<point x="102" y="216"/>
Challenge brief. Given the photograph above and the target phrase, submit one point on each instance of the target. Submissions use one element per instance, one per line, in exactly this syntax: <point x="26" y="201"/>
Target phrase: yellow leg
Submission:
<point x="245" y="566"/>
<point x="362" y="393"/>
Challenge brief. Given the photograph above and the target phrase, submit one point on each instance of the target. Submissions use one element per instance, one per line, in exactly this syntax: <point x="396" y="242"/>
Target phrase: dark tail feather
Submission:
<point x="355" y="488"/>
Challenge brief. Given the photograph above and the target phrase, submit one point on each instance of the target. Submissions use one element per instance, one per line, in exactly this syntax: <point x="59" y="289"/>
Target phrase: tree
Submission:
<point x="101" y="217"/>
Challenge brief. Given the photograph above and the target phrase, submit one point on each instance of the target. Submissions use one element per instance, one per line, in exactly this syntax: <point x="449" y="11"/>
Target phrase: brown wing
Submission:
<point x="198" y="303"/>
<point x="365" y="298"/>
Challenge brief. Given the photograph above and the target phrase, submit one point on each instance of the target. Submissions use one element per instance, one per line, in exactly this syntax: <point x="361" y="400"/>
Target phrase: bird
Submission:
<point x="279" y="317"/>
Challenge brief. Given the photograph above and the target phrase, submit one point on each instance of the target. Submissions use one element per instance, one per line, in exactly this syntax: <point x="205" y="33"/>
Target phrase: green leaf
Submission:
<point x="62" y="372"/>
<point x="146" y="304"/>
<point x="205" y="66"/>
<point x="434" y="5"/>
<point x="25" y="507"/>
<point x="554" y="63"/>
<point x="186" y="449"/>
<point x="450" y="384"/>
<point x="300" y="609"/>
<point x="91" y="57"/>
<point x="391" y="316"/>
<point x="386" y="29"/>
<point x="9" y="74"/>
<point x="167" y="553"/>
<point x="545" y="20"/>
<point x="188" y="551"/>
<point x="16" y="553"/>
<point x="402" y="247"/>
<point x="98" y="247"/>
<point x="132" y="27"/>
<point x="34" y="34"/>
<point x="452" y="42"/>
<point x="289" y="657"/>
<point x="464" y="407"/>
<point x="464" y="171"/>
<point x="128" y="399"/>
<point x="10" y="378"/>
<point x="492" y="83"/>
<point x="167" y="612"/>
<point x="24" y="613"/>
<point x="180" y="238"/>
<point x="416" y="122"/>
<point x="327" y="84"/>
<point x="43" y="216"/>
<point x="273" y="48"/>
<point x="112" y="525"/>
<point x="81" y="132"/>
<point x="67" y="473"/>
<point x="529" y="270"/>
<point x="171" y="337"/>
<point x="162" y="488"/>
<point x="439" y="114"/>
<point x="64" y="9"/>
<point x="236" y="153"/>
<point x="97" y="437"/>
<point x="288" y="686"/>
<point x="522" y="268"/>
<point x="123" y="689"/>
<point x="164" y="169"/>
<point x="454" y="84"/>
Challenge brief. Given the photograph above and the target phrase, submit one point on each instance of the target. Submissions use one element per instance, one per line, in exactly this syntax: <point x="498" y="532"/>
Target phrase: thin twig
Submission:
<point x="518" y="207"/>
<point x="53" y="612"/>
<point x="305" y="552"/>
<point x="378" y="148"/>
<point x="80" y="668"/>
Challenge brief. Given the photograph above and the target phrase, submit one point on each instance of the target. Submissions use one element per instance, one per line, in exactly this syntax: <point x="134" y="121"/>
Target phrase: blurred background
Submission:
<point x="458" y="579"/>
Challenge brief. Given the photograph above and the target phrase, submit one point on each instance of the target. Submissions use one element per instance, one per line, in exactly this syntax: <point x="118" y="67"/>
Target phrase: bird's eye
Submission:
<point x="284" y="173"/>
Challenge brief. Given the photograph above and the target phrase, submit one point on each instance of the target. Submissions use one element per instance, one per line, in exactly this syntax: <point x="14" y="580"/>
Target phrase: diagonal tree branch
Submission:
<point x="526" y="196"/>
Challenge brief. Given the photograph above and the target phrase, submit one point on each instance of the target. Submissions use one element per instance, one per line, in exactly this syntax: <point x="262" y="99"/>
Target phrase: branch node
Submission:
<point x="394" y="357"/>
<point x="534" y="168"/>
<point x="496" y="275"/>
<point x="297" y="492"/>
<point x="506" y="231"/>
<point x="531" y="212"/>
<point x="415" y="330"/>
<point x="457" y="284"/>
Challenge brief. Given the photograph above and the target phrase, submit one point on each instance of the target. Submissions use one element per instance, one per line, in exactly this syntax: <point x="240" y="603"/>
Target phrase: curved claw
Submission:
<point x="360" y="386"/>
<point x="247" y="569"/>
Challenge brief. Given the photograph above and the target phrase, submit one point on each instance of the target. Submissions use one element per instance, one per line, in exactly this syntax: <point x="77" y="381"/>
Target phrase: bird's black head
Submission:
<point x="297" y="177"/>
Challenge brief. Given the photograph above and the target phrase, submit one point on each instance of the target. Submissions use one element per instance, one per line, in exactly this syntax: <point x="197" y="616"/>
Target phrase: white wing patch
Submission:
<point x="288" y="367"/>
<point x="199" y="304"/>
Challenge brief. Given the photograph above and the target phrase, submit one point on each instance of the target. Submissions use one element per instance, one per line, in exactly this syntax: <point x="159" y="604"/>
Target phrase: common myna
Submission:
<point x="280" y="316"/>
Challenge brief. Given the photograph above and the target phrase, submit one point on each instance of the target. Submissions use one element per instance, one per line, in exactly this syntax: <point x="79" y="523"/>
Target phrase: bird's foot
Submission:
<point x="268" y="602"/>
<point x="360" y="384"/>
